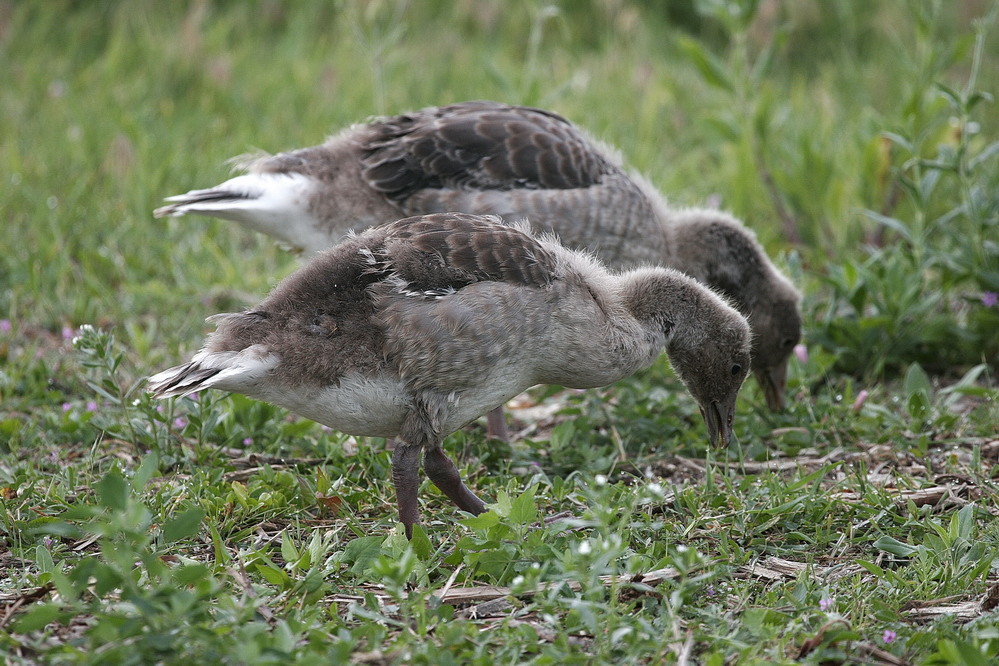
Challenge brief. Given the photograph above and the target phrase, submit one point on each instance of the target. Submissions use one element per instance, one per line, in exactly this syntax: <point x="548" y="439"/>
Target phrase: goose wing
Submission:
<point x="444" y="252"/>
<point x="462" y="302"/>
<point x="479" y="145"/>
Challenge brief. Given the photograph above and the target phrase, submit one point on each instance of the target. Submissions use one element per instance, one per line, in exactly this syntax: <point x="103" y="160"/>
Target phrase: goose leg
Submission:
<point x="406" y="478"/>
<point x="445" y="476"/>
<point x="496" y="425"/>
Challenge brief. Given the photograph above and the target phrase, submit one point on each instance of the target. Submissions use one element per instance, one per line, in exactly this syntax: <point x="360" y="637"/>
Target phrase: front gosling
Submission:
<point x="415" y="328"/>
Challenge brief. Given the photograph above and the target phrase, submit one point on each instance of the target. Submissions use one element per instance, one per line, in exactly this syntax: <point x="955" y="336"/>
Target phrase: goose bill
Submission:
<point x="718" y="418"/>
<point x="773" y="381"/>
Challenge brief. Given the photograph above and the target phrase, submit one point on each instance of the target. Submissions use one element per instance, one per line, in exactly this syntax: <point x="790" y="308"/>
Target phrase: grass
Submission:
<point x="858" y="139"/>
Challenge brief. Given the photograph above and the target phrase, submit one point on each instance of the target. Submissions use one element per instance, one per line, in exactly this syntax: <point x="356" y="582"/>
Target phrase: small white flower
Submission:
<point x="585" y="548"/>
<point x="600" y="480"/>
<point x="518" y="580"/>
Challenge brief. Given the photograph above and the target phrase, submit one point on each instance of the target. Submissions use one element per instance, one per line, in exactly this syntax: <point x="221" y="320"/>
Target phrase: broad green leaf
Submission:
<point x="288" y="550"/>
<point x="36" y="617"/>
<point x="960" y="653"/>
<point x="918" y="405"/>
<point x="112" y="491"/>
<point x="895" y="547"/>
<point x="43" y="558"/>
<point x="284" y="638"/>
<point x="483" y="521"/>
<point x="916" y="381"/>
<point x="524" y="509"/>
<point x="222" y="556"/>
<point x="64" y="586"/>
<point x="150" y="465"/>
<point x="503" y="505"/>
<point x="183" y="526"/>
<point x="273" y="575"/>
<point x="420" y="543"/>
<point x="362" y="551"/>
<point x="239" y="490"/>
<point x="962" y="523"/>
<point x="190" y="574"/>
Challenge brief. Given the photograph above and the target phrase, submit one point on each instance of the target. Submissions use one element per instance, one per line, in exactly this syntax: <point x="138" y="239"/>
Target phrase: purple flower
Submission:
<point x="5" y="326"/>
<point x="91" y="406"/>
<point x="180" y="423"/>
<point x="67" y="333"/>
<point x="990" y="299"/>
<point x="47" y="542"/>
<point x="247" y="441"/>
<point x="825" y="603"/>
<point x="66" y="406"/>
<point x="801" y="352"/>
<point x="889" y="636"/>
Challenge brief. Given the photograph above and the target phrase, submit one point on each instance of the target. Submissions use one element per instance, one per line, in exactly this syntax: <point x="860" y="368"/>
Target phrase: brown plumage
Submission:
<point x="412" y="329"/>
<point x="487" y="157"/>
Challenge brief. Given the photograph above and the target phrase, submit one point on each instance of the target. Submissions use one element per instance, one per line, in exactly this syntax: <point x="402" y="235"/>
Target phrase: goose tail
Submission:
<point x="237" y="371"/>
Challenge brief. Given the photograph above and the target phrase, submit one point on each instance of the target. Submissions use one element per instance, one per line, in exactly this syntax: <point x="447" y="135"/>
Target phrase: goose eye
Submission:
<point x="736" y="369"/>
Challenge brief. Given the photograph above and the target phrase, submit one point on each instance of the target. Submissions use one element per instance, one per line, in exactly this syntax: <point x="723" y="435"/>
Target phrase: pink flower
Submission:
<point x="247" y="441"/>
<point x="889" y="636"/>
<point x="990" y="299"/>
<point x="801" y="352"/>
<point x="91" y="406"/>
<point x="825" y="603"/>
<point x="859" y="402"/>
<point x="5" y="326"/>
<point x="180" y="423"/>
<point x="67" y="333"/>
<point x="66" y="406"/>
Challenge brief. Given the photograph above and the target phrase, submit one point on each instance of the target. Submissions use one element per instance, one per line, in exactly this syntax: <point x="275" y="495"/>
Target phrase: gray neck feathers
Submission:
<point x="666" y="301"/>
<point x="716" y="249"/>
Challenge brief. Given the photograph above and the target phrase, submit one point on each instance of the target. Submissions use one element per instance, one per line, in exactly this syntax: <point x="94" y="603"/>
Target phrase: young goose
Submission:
<point x="486" y="157"/>
<point x="412" y="329"/>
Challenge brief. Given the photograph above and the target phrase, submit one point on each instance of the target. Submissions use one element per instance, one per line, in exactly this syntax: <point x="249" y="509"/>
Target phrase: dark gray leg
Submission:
<point x="445" y="476"/>
<point x="406" y="478"/>
<point x="496" y="425"/>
